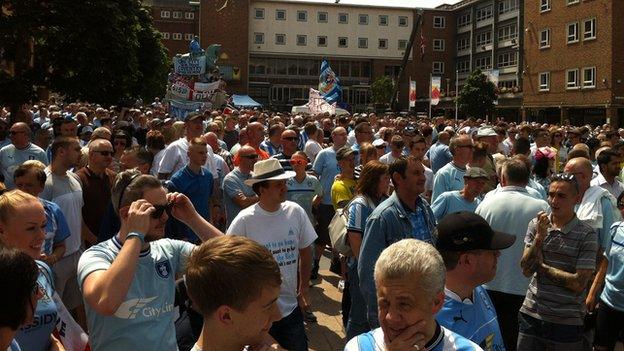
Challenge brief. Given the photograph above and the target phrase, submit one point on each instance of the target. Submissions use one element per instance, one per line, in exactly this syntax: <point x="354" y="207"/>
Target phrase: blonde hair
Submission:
<point x="10" y="201"/>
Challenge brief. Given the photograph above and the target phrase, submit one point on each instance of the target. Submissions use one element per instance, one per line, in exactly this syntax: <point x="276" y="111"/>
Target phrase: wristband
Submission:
<point x="137" y="235"/>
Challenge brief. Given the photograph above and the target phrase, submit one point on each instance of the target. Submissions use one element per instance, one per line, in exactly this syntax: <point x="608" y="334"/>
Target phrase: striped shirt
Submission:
<point x="570" y="248"/>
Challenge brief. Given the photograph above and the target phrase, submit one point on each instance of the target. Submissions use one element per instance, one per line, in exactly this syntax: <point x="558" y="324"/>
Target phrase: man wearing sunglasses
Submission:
<point x="236" y="194"/>
<point x="289" y="147"/>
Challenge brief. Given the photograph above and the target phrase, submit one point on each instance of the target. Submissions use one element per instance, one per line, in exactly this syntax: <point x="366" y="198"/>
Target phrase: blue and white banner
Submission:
<point x="179" y="109"/>
<point x="189" y="66"/>
<point x="329" y="84"/>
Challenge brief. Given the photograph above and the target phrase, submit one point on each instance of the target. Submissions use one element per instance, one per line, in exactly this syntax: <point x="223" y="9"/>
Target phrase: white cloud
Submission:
<point x="399" y="3"/>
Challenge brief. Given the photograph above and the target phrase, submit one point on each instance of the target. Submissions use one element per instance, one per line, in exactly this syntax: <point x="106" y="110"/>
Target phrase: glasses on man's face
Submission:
<point x="298" y="162"/>
<point x="250" y="157"/>
<point x="160" y="209"/>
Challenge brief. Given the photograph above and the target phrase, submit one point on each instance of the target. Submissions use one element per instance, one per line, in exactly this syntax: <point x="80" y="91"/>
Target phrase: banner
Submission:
<point x="412" y="93"/>
<point x="329" y="84"/>
<point x="179" y="109"/>
<point x="180" y="91"/>
<point x="435" y="90"/>
<point x="189" y="66"/>
<point x="317" y="104"/>
<point x="204" y="91"/>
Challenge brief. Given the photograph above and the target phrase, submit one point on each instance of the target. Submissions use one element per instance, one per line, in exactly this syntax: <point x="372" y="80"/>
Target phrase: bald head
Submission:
<point x="212" y="140"/>
<point x="582" y="169"/>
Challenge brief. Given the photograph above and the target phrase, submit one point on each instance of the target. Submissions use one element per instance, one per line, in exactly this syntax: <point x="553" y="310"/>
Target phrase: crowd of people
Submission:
<point x="206" y="233"/>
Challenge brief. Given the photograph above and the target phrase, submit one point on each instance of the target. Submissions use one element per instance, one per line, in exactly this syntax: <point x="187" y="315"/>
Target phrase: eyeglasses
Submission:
<point x="298" y="162"/>
<point x="160" y="209"/>
<point x="251" y="157"/>
<point x="104" y="152"/>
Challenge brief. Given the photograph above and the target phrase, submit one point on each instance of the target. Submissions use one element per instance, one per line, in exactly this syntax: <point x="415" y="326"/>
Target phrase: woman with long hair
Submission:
<point x="370" y="190"/>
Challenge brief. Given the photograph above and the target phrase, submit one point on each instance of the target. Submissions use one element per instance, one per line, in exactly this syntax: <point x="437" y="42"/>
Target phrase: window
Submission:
<point x="402" y="21"/>
<point x="321" y="40"/>
<point x="402" y="44"/>
<point x="463" y="43"/>
<point x="165" y="14"/>
<point x="545" y="38"/>
<point x="573" y="36"/>
<point x="572" y="78"/>
<point x="280" y="39"/>
<point x="544" y="5"/>
<point x="484" y="13"/>
<point x="483" y="62"/>
<point x="438" y="45"/>
<point x="177" y="36"/>
<point x="259" y="13"/>
<point x="544" y="81"/>
<point x="439" y="22"/>
<point x="383" y="43"/>
<point x="589" y="77"/>
<point x="363" y="43"/>
<point x="507" y="6"/>
<point x="258" y="38"/>
<point x="302" y="40"/>
<point x="302" y="16"/>
<point x="463" y="66"/>
<point x="165" y="35"/>
<point x="507" y="59"/>
<point x="438" y="67"/>
<point x="589" y="29"/>
<point x="484" y="38"/>
<point x="507" y="84"/>
<point x="572" y="2"/>
<point x="383" y="20"/>
<point x="188" y="36"/>
<point x="342" y="42"/>
<point x="189" y="15"/>
<point x="177" y="14"/>
<point x="343" y="18"/>
<point x="363" y="19"/>
<point x="508" y="32"/>
<point x="321" y="17"/>
<point x="463" y="19"/>
<point x="280" y="15"/>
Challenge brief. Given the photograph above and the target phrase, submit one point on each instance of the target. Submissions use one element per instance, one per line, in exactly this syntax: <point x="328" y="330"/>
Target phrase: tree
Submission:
<point x="476" y="99"/>
<point x="381" y="90"/>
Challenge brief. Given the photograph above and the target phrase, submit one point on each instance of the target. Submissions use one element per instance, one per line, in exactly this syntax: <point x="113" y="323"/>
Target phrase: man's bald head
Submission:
<point x="582" y="169"/>
<point x="212" y="139"/>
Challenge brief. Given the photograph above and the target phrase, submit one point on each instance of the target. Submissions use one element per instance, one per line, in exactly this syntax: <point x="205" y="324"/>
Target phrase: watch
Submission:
<point x="136" y="234"/>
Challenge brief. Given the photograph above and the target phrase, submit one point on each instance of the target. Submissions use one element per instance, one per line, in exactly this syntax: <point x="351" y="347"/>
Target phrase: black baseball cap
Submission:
<point x="466" y="231"/>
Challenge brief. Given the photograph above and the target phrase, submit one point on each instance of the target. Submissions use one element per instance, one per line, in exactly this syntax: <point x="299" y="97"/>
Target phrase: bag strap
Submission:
<point x="366" y="342"/>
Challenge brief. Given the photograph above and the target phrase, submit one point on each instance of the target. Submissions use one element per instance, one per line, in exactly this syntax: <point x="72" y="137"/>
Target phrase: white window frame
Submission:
<point x="382" y="40"/>
<point x="572" y="84"/>
<point x="437" y="67"/>
<point x="278" y="35"/>
<point x="589" y="35"/>
<point x="482" y="13"/>
<point x="463" y="43"/>
<point x="318" y="17"/>
<point x="402" y="44"/>
<point x="506" y="6"/>
<point x="277" y="17"/>
<point x="546" y="85"/>
<point x="508" y="32"/>
<point x="463" y="66"/>
<point x="405" y="19"/>
<point x="188" y="36"/>
<point x="482" y="38"/>
<point x="363" y="16"/>
<point x="166" y="35"/>
<point x="465" y="19"/>
<point x="346" y="40"/>
<point x="439" y="45"/>
<point x="508" y="59"/>
<point x="260" y="12"/>
<point x="318" y="41"/>
<point x="258" y="35"/>
<point x="439" y="22"/>
<point x="544" y="6"/>
<point x="589" y="84"/>
<point x="572" y="38"/>
<point x="301" y="42"/>
<point x="482" y="62"/>
<point x="380" y="22"/>
<point x="305" y="16"/>
<point x="165" y="14"/>
<point x="176" y="14"/>
<point x="346" y="16"/>
<point x="363" y="40"/>
<point x="189" y="15"/>
<point x="176" y="36"/>
<point x="572" y="2"/>
<point x="544" y="44"/>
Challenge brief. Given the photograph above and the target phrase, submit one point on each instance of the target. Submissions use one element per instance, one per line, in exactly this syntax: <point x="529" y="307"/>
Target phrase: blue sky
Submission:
<point x="400" y="3"/>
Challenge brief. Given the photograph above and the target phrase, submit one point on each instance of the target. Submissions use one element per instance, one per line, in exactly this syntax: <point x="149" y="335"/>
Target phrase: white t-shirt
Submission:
<point x="311" y="149"/>
<point x="175" y="157"/>
<point x="284" y="232"/>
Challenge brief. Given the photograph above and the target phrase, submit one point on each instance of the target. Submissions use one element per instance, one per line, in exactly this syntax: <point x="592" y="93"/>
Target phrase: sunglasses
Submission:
<point x="380" y="147"/>
<point x="160" y="209"/>
<point x="298" y="162"/>
<point x="104" y="152"/>
<point x="251" y="157"/>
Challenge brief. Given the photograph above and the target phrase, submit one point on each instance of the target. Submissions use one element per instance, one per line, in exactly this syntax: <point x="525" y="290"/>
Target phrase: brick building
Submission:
<point x="177" y="20"/>
<point x="574" y="62"/>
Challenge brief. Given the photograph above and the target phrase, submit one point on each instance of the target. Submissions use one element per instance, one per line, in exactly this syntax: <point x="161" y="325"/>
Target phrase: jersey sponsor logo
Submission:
<point x="488" y="344"/>
<point x="130" y="308"/>
<point x="163" y="269"/>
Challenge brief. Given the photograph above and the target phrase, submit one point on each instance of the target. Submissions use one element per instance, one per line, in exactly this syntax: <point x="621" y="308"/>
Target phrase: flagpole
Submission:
<point x="430" y="81"/>
<point x="456" y="94"/>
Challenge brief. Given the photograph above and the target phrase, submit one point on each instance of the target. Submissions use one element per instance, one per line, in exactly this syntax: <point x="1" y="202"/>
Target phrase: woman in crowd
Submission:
<point x="17" y="298"/>
<point x="544" y="165"/>
<point x="371" y="189"/>
<point x="367" y="154"/>
<point x="22" y="226"/>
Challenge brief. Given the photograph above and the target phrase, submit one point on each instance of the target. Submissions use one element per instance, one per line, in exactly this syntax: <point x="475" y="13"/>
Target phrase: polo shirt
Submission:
<point x="451" y="202"/>
<point x="448" y="178"/>
<point x="12" y="157"/>
<point x="439" y="155"/>
<point x="198" y="188"/>
<point x="234" y="184"/>
<point x="326" y="167"/>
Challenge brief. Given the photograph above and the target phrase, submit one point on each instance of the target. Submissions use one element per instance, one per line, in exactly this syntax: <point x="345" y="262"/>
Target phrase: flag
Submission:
<point x="412" y="93"/>
<point x="329" y="84"/>
<point x="435" y="90"/>
<point x="318" y="105"/>
<point x="423" y="45"/>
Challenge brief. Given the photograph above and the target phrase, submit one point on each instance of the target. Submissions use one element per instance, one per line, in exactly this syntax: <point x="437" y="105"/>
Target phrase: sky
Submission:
<point x="400" y="3"/>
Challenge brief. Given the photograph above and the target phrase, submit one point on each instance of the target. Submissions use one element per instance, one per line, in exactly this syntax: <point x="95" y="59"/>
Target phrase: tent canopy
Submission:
<point x="244" y="101"/>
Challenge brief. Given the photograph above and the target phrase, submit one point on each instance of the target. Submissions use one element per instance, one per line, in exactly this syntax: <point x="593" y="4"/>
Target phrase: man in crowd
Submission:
<point x="19" y="151"/>
<point x="470" y="249"/>
<point x="407" y="311"/>
<point x="236" y="194"/>
<point x="451" y="176"/>
<point x="273" y="144"/>
<point x="510" y="210"/>
<point x="403" y="215"/>
<point x="610" y="165"/>
<point x="439" y="153"/>
<point x="488" y="135"/>
<point x="213" y="141"/>
<point x="284" y="228"/>
<point x="560" y="258"/>
<point x="465" y="199"/>
<point x="255" y="135"/>
<point x="289" y="147"/>
<point x="396" y="150"/>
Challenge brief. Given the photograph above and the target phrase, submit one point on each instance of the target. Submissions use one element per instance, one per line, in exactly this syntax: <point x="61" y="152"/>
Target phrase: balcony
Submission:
<point x="508" y="15"/>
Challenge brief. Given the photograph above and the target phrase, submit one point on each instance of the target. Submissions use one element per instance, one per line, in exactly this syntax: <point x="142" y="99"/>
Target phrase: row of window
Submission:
<point x="177" y="14"/>
<point x="343" y="18"/>
<point x="487" y="12"/>
<point x="343" y="42"/>
<point x="268" y="67"/>
<point x="177" y="36"/>
<point x="572" y="33"/>
<point x="545" y="5"/>
<point x="505" y="59"/>
<point x="573" y="80"/>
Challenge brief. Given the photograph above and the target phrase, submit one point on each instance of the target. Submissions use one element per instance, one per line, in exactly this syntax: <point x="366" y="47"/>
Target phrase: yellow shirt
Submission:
<point x="342" y="190"/>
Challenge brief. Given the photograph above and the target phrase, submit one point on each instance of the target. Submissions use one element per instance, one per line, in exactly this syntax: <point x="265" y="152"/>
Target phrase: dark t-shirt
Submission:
<point x="96" y="194"/>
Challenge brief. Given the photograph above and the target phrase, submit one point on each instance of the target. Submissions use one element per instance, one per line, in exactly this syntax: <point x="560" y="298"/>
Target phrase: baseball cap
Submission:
<point x="486" y="131"/>
<point x="476" y="172"/>
<point x="466" y="231"/>
<point x="379" y="142"/>
<point x="344" y="152"/>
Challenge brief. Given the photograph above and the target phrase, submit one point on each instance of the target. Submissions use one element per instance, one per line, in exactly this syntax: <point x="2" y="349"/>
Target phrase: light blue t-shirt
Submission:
<point x="439" y="155"/>
<point x="448" y="178"/>
<point x="359" y="210"/>
<point x="144" y="321"/>
<point x="326" y="167"/>
<point x="303" y="193"/>
<point x="11" y="158"/>
<point x="234" y="184"/>
<point x="475" y="320"/>
<point x="613" y="292"/>
<point x="57" y="229"/>
<point x="443" y="340"/>
<point x="451" y="202"/>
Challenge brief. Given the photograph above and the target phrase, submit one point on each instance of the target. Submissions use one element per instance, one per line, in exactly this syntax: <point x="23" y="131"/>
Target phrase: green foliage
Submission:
<point x="476" y="99"/>
<point x="96" y="50"/>
<point x="381" y="90"/>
